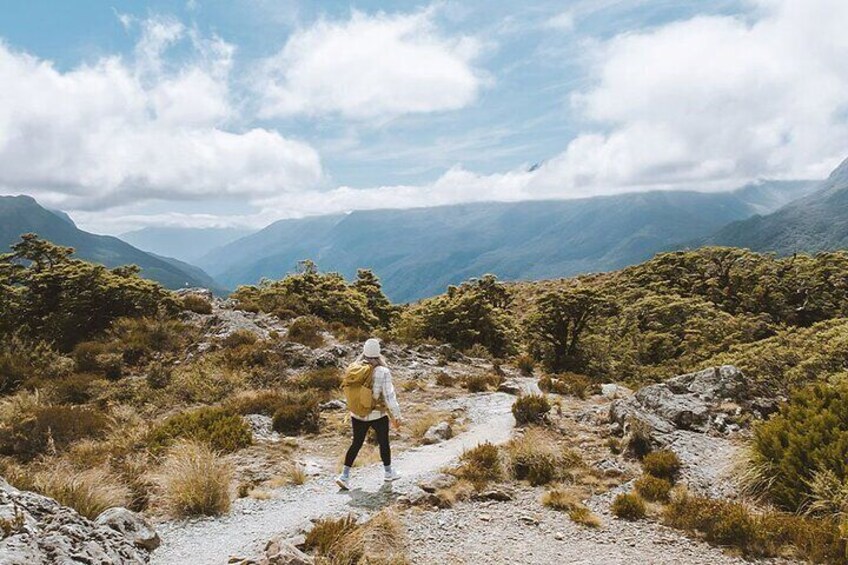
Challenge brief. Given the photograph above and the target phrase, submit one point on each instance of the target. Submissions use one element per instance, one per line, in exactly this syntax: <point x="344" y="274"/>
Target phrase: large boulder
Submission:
<point x="132" y="525"/>
<point x="40" y="530"/>
<point x="703" y="401"/>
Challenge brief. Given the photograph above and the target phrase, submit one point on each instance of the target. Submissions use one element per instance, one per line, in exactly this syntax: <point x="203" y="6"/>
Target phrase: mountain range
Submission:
<point x="418" y="252"/>
<point x="22" y="214"/>
<point x="185" y="244"/>
<point x="816" y="222"/>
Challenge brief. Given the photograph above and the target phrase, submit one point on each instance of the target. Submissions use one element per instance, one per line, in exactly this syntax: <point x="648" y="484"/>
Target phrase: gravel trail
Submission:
<point x="244" y="531"/>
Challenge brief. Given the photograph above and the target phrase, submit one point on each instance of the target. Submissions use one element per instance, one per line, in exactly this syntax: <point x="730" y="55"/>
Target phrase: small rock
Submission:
<point x="485" y="517"/>
<point x="131" y="525"/>
<point x="438" y="433"/>
<point x="559" y="536"/>
<point x="611" y="390"/>
<point x="333" y="405"/>
<point x="494" y="495"/>
<point x="529" y="520"/>
<point x="510" y="387"/>
<point x="440" y="481"/>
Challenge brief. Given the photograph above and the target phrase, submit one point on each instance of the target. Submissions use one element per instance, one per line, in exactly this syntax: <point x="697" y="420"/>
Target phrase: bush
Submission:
<point x="205" y="381"/>
<point x="326" y="379"/>
<point x="219" y="428"/>
<point x="628" y="506"/>
<point x="326" y="532"/>
<point x="73" y="389"/>
<point x="663" y="464"/>
<point x="50" y="426"/>
<point x="525" y="364"/>
<point x="535" y="457"/>
<point x="445" y="379"/>
<point x="112" y="365"/>
<point x="476" y="383"/>
<point x="265" y="402"/>
<point x="195" y="481"/>
<point x="306" y="330"/>
<point x="197" y="304"/>
<point x="530" y="409"/>
<point x="159" y="376"/>
<point x="85" y="356"/>
<point x="808" y="435"/>
<point x="765" y="534"/>
<point x="88" y="492"/>
<point x="653" y="488"/>
<point x="238" y="338"/>
<point x="24" y="362"/>
<point x="298" y="413"/>
<point x="480" y="465"/>
<point x="568" y="383"/>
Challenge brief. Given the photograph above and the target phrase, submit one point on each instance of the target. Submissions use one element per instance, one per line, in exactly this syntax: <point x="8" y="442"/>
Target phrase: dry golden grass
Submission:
<point x="381" y="540"/>
<point x="569" y="499"/>
<point x="419" y="426"/>
<point x="296" y="474"/>
<point x="195" y="480"/>
<point x="461" y="490"/>
<point x="89" y="492"/>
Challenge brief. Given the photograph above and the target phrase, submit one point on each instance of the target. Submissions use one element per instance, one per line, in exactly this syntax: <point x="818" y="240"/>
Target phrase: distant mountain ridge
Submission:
<point x="185" y="244"/>
<point x="22" y="214"/>
<point x="816" y="222"/>
<point x="418" y="252"/>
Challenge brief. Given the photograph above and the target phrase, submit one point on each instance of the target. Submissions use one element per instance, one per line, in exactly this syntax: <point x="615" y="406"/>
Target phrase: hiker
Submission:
<point x="372" y="403"/>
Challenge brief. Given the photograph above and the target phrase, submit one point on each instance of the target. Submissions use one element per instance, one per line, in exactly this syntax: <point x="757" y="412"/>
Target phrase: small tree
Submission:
<point x="554" y="328"/>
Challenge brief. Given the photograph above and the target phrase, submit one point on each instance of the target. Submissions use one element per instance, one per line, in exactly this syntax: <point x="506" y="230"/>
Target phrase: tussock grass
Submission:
<point x="569" y="499"/>
<point x="663" y="464"/>
<point x="195" y="481"/>
<point x="653" y="488"/>
<point x="89" y="492"/>
<point x="530" y="409"/>
<point x="629" y="506"/>
<point x="536" y="457"/>
<point x="480" y="465"/>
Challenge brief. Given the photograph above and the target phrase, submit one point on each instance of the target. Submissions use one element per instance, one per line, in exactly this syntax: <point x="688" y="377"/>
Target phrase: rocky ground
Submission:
<point x="701" y="417"/>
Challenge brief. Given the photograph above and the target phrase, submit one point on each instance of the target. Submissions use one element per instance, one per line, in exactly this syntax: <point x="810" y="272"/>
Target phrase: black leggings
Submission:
<point x="360" y="430"/>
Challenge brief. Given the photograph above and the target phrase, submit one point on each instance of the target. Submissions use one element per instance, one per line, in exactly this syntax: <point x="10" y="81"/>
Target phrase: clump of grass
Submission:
<point x="50" y="428"/>
<point x="195" y="481"/>
<point x="205" y="382"/>
<point x="663" y="464"/>
<point x="73" y="389"/>
<point x="480" y="465"/>
<point x="296" y="474"/>
<point x="568" y="500"/>
<point x="158" y="375"/>
<point x="197" y="304"/>
<point x="265" y="401"/>
<point x="219" y="428"/>
<point x="653" y="488"/>
<point x="628" y="506"/>
<point x="306" y="330"/>
<point x="381" y="540"/>
<point x="85" y="356"/>
<point x="239" y="338"/>
<point x="639" y="440"/>
<point x="419" y="426"/>
<point x="445" y="379"/>
<point x="525" y="364"/>
<point x="326" y="532"/>
<point x="459" y="491"/>
<point x="568" y="383"/>
<point x="325" y="378"/>
<point x="536" y="458"/>
<point x="530" y="409"/>
<point x="476" y="383"/>
<point x="89" y="492"/>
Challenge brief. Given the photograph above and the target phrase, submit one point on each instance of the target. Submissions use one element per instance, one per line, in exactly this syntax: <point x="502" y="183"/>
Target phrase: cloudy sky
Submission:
<point x="214" y="113"/>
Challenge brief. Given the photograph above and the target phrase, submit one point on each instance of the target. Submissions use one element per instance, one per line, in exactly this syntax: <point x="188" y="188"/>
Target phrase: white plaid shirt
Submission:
<point x="383" y="387"/>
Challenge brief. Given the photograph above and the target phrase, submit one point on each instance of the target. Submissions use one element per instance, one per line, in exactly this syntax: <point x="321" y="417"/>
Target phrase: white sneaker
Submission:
<point x="391" y="476"/>
<point x="343" y="482"/>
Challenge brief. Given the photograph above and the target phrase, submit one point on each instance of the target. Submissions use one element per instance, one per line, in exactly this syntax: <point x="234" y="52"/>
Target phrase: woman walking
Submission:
<point x="373" y="404"/>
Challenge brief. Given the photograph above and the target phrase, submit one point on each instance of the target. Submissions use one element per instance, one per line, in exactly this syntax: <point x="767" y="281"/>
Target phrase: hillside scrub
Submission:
<point x="327" y="296"/>
<point x="219" y="428"/>
<point x="195" y="481"/>
<point x="805" y="442"/>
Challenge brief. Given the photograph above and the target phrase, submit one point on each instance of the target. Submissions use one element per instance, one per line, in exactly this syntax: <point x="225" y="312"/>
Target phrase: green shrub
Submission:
<point x="197" y="304"/>
<point x="25" y="362"/>
<point x="219" y="428"/>
<point x="628" y="506"/>
<point x="480" y="465"/>
<point x="530" y="409"/>
<point x="306" y="330"/>
<point x="50" y="427"/>
<point x="762" y="534"/>
<point x="298" y="413"/>
<point x="112" y="365"/>
<point x="808" y="435"/>
<point x="476" y="383"/>
<point x="653" y="488"/>
<point x="663" y="464"/>
<point x="205" y="381"/>
<point x="85" y="356"/>
<point x="326" y="379"/>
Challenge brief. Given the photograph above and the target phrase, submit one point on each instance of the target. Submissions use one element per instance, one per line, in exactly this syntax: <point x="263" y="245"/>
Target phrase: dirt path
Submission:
<point x="251" y="523"/>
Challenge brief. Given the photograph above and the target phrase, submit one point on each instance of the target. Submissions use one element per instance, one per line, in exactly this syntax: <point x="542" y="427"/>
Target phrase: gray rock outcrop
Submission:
<point x="37" y="529"/>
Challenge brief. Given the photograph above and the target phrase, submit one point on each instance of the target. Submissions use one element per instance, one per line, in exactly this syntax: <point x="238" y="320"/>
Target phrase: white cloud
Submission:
<point x="377" y="66"/>
<point x="122" y="131"/>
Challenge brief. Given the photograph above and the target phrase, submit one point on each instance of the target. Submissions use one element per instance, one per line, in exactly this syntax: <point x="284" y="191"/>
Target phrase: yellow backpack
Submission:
<point x="357" y="384"/>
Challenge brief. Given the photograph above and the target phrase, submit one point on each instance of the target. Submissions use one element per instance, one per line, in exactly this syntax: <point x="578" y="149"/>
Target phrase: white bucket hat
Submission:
<point x="371" y="348"/>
